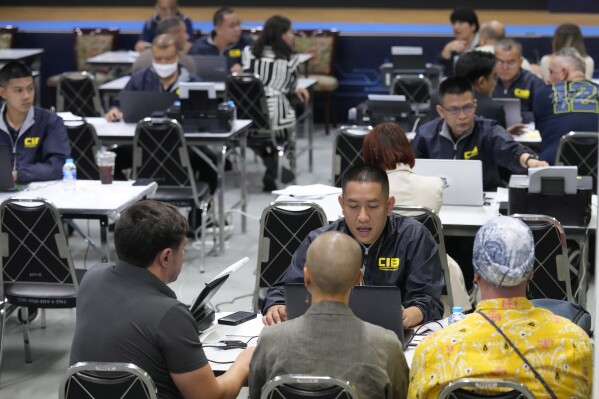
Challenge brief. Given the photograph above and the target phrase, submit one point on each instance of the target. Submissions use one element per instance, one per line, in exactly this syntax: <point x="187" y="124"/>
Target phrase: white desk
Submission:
<point x="245" y="331"/>
<point x="242" y="332"/>
<point x="122" y="133"/>
<point x="113" y="58"/>
<point x="90" y="200"/>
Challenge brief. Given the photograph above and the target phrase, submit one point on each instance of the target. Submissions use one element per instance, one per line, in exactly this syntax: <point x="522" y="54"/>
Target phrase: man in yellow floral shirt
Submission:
<point x="558" y="349"/>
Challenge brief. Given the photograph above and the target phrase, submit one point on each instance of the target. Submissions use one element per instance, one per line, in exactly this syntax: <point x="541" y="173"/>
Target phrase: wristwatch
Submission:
<point x="530" y="156"/>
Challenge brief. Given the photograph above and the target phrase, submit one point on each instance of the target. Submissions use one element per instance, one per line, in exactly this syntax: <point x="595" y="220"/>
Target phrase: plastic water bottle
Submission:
<point x="69" y="174"/>
<point x="232" y="105"/>
<point x="456" y="315"/>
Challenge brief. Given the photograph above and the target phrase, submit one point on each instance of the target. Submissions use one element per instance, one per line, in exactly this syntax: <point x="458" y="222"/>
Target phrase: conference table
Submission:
<point x="123" y="133"/>
<point x="248" y="332"/>
<point x="90" y="200"/>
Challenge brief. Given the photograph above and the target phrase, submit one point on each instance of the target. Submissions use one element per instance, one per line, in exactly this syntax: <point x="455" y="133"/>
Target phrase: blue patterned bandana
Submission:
<point x="504" y="251"/>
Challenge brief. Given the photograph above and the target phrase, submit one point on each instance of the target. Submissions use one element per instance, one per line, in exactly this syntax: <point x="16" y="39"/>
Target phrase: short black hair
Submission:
<point x="366" y="174"/>
<point x="474" y="64"/>
<point x="13" y="70"/>
<point x="455" y="85"/>
<point x="146" y="228"/>
<point x="219" y="15"/>
<point x="465" y="15"/>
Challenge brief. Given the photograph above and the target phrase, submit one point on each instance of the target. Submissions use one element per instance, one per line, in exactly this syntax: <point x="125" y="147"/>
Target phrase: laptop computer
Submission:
<point x="512" y="109"/>
<point x="7" y="183"/>
<point x="137" y="105"/>
<point x="374" y="304"/>
<point x="462" y="179"/>
<point x="211" y="68"/>
<point x="202" y="313"/>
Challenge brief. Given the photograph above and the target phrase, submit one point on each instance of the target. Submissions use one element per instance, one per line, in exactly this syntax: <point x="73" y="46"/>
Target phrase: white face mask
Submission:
<point x="164" y="70"/>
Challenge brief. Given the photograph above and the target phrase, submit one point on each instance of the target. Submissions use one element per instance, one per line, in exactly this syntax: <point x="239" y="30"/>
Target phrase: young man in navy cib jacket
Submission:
<point x="37" y="137"/>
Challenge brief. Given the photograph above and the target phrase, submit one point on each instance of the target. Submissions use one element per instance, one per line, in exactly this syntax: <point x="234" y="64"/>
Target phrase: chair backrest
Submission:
<point x="78" y="93"/>
<point x="432" y="222"/>
<point x="579" y="149"/>
<point x="7" y="36"/>
<point x="552" y="278"/>
<point x="283" y="227"/>
<point x="90" y="380"/>
<point x="247" y="91"/>
<point x="160" y="153"/>
<point x="347" y="150"/>
<point x="417" y="89"/>
<point x="455" y="389"/>
<point x="84" y="145"/>
<point x="322" y="44"/>
<point x="89" y="42"/>
<point x="297" y="386"/>
<point x="33" y="244"/>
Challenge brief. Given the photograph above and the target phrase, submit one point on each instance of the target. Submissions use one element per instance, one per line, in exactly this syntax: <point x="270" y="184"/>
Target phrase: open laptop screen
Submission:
<point x="374" y="304"/>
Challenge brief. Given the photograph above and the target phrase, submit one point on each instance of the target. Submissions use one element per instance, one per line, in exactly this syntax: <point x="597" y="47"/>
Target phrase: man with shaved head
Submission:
<point x="569" y="103"/>
<point x="329" y="339"/>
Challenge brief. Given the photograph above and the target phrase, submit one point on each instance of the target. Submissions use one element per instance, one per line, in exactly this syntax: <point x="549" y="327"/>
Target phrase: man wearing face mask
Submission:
<point x="164" y="74"/>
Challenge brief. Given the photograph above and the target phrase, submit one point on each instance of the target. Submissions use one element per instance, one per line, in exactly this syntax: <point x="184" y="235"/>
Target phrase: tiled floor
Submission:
<point x="50" y="346"/>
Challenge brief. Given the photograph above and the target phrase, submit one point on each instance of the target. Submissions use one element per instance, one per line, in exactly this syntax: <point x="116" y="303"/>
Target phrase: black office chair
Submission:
<point x="580" y="149"/>
<point x="247" y="92"/>
<point x="552" y="274"/>
<point x="418" y="91"/>
<point x="296" y="386"/>
<point x="283" y="227"/>
<point x="78" y="93"/>
<point x="456" y="389"/>
<point x="347" y="150"/>
<point x="37" y="269"/>
<point x="90" y="380"/>
<point x="431" y="221"/>
<point x="160" y="153"/>
<point x="84" y="145"/>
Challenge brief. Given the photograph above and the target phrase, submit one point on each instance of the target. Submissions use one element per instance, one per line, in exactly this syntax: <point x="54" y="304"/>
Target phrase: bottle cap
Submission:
<point x="231" y="103"/>
<point x="456" y="309"/>
<point x="69" y="159"/>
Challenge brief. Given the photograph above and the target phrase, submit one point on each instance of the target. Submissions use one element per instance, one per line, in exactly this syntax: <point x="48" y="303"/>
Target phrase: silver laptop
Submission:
<point x="462" y="179"/>
<point x="211" y="68"/>
<point x="137" y="105"/>
<point x="512" y="109"/>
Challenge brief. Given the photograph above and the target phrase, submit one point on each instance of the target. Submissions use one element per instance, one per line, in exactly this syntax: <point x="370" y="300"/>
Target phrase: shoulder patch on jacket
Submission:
<point x="389" y="264"/>
<point x="234" y="53"/>
<point x="471" y="153"/>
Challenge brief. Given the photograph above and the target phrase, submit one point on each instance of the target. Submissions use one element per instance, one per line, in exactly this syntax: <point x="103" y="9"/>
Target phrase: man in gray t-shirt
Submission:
<point x="127" y="313"/>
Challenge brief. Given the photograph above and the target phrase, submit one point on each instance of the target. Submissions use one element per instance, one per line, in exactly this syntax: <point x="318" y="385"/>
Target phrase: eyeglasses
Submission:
<point x="509" y="63"/>
<point x="455" y="111"/>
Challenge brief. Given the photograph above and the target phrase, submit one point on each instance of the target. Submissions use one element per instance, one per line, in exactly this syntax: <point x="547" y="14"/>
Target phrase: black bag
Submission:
<point x="571" y="311"/>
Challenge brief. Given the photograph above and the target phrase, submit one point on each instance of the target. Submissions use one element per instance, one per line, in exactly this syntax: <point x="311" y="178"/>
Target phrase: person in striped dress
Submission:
<point x="273" y="59"/>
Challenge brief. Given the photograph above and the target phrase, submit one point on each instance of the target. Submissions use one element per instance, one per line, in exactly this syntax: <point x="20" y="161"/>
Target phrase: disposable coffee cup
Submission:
<point x="105" y="161"/>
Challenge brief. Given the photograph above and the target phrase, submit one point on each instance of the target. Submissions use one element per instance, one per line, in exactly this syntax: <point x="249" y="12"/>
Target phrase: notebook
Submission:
<point x="211" y="68"/>
<point x="374" y="304"/>
<point x="462" y="179"/>
<point x="137" y="105"/>
<point x="6" y="181"/>
<point x="511" y="107"/>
